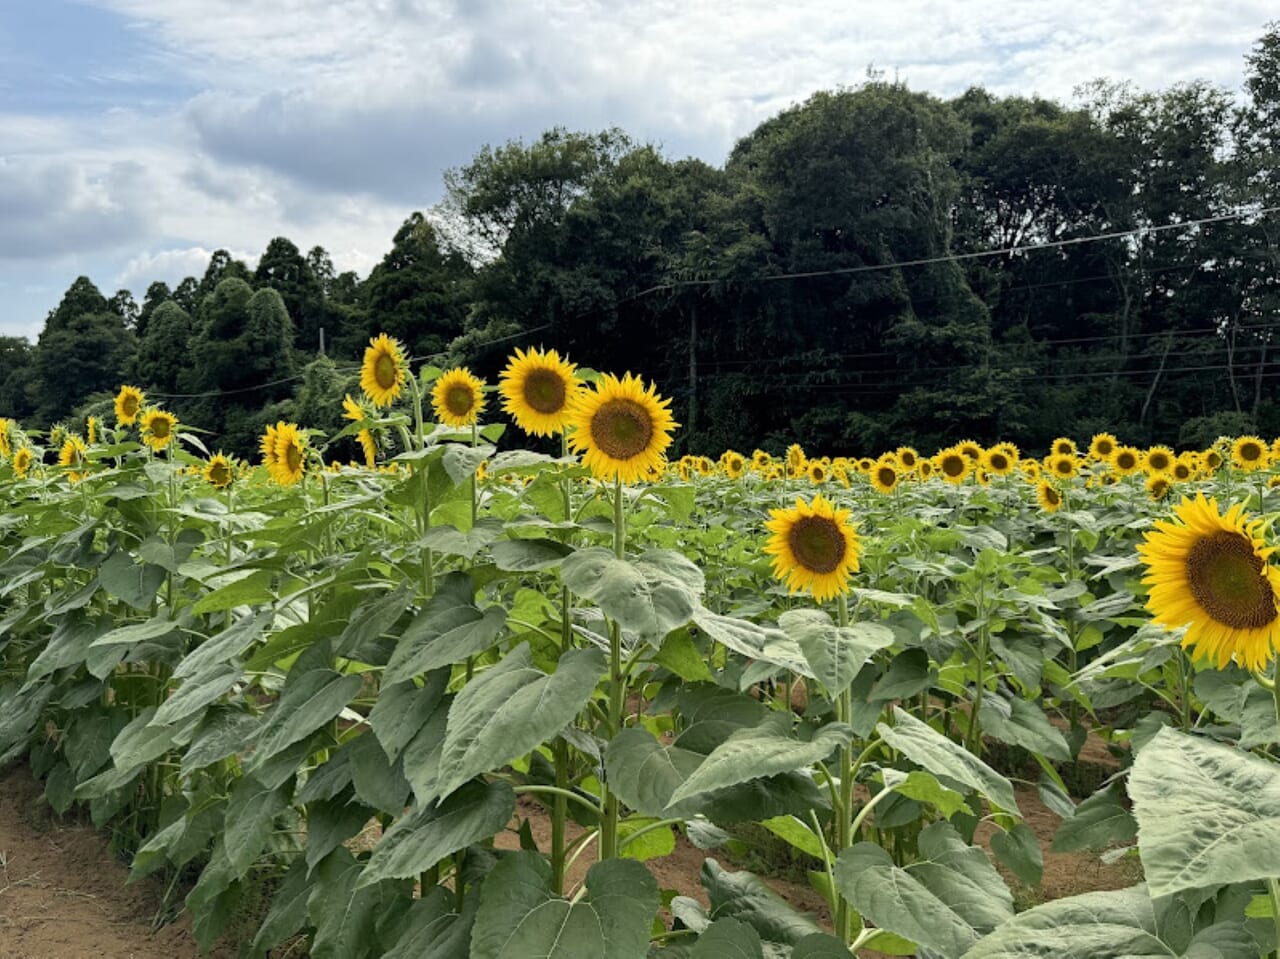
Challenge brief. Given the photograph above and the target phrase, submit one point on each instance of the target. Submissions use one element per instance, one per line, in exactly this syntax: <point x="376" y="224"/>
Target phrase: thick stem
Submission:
<point x="974" y="736"/>
<point x="617" y="686"/>
<point x="844" y="809"/>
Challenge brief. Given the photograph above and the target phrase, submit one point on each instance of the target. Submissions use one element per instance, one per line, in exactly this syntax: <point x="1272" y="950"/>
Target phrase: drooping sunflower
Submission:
<point x="796" y="459"/>
<point x="129" y="403"/>
<point x="284" y="453"/>
<point x="538" y="390"/>
<point x="814" y="547"/>
<point x="1048" y="496"/>
<point x="1159" y="459"/>
<point x="352" y="410"/>
<point x="74" y="456"/>
<point x="1208" y="571"/>
<point x="219" y="471"/>
<point x="840" y="474"/>
<point x="952" y="465"/>
<point x="761" y="461"/>
<point x="369" y="447"/>
<point x="91" y="429"/>
<point x="1102" y="446"/>
<point x="1249" y="453"/>
<point x="22" y="459"/>
<point x="1062" y="465"/>
<point x="884" y="475"/>
<point x="157" y="427"/>
<point x="1126" y="460"/>
<point x="384" y="370"/>
<point x="1064" y="446"/>
<point x="1158" y="486"/>
<point x="621" y="428"/>
<point x="458" y="397"/>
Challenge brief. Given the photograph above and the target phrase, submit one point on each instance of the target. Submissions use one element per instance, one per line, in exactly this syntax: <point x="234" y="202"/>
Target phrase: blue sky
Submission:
<point x="136" y="136"/>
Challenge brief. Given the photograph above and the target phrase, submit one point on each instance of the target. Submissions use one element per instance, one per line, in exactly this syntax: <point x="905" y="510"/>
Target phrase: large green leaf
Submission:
<point x="528" y="555"/>
<point x="945" y="900"/>
<point x="344" y="915"/>
<point x="927" y="747"/>
<point x="743" y="895"/>
<point x="651" y="595"/>
<point x="251" y="813"/>
<point x="835" y="654"/>
<point x="510" y="709"/>
<point x="820" y="946"/>
<point x="134" y="583"/>
<point x="403" y="708"/>
<point x="428" y="834"/>
<point x="307" y="703"/>
<point x="753" y="641"/>
<point x="1120" y="924"/>
<point x="519" y="917"/>
<point x="728" y="939"/>
<point x="761" y="751"/>
<point x="197" y="692"/>
<point x="1020" y="723"/>
<point x="1207" y="814"/>
<point x="447" y="631"/>
<point x="222" y="646"/>
<point x="432" y="931"/>
<point x="1099" y="821"/>
<point x="644" y="773"/>
<point x="288" y="913"/>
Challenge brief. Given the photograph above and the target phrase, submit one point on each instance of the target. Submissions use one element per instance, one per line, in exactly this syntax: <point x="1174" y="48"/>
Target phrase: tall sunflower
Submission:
<point x="1048" y="496"/>
<point x="219" y="471"/>
<point x="734" y="464"/>
<point x="129" y="403"/>
<point x="814" y="547"/>
<point x="907" y="457"/>
<point x="1250" y="453"/>
<point x="1062" y="465"/>
<point x="818" y="472"/>
<point x="1064" y="446"/>
<point x="538" y="389"/>
<point x="284" y="453"/>
<point x="621" y="428"/>
<point x="1102" y="446"/>
<point x="1126" y="460"/>
<point x="1158" y="459"/>
<point x="384" y="370"/>
<point x="458" y="397"/>
<point x="998" y="462"/>
<point x="157" y="427"/>
<point x="74" y="456"/>
<point x="952" y="465"/>
<point x="884" y="475"/>
<point x="1208" y="571"/>
<point x="796" y="460"/>
<point x="22" y="459"/>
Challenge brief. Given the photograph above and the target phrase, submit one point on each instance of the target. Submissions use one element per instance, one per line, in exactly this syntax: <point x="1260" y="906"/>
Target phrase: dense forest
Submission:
<point x="839" y="281"/>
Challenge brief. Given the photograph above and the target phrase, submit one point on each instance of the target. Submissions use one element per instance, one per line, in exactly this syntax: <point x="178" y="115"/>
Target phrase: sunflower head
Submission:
<point x="1211" y="460"/>
<point x="1208" y="571"/>
<point x="1048" y="496"/>
<point x="1062" y="465"/>
<point x="970" y="450"/>
<point x="158" y="427"/>
<point x="997" y="461"/>
<point x="368" y="447"/>
<point x="1063" y="446"/>
<point x="952" y="465"/>
<point x="1183" y="469"/>
<point x="925" y="468"/>
<point x="1158" y="486"/>
<point x="284" y="453"/>
<point x="91" y="429"/>
<point x="907" y="457"/>
<point x="1126" y="460"/>
<point x="129" y="403"/>
<point x="1159" y="459"/>
<point x="734" y="465"/>
<point x="1250" y="453"/>
<point x="458" y="397"/>
<point x="384" y="370"/>
<point x="1102" y="446"/>
<point x="814" y="548"/>
<point x="219" y="471"/>
<point x="761" y="461"/>
<point x="884" y="475"/>
<point x="538" y="390"/>
<point x="796" y="458"/>
<point x="818" y="472"/>
<point x="22" y="459"/>
<point x="74" y="456"/>
<point x="621" y="428"/>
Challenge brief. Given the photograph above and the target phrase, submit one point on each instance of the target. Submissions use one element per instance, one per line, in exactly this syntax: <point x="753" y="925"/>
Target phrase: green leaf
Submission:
<point x="133" y="583"/>
<point x="945" y="900"/>
<point x="288" y="912"/>
<point x="1019" y="849"/>
<point x="196" y="693"/>
<point x="1021" y="723"/>
<point x="758" y="752"/>
<point x="651" y="595"/>
<point x="743" y="895"/>
<point x="379" y="782"/>
<point x="1207" y="814"/>
<point x="331" y="822"/>
<point x="447" y="631"/>
<point x="373" y="618"/>
<point x="137" y="633"/>
<point x="141" y="742"/>
<point x="306" y="703"/>
<point x="924" y="787"/>
<point x="753" y="641"/>
<point x="451" y="541"/>
<point x="510" y="709"/>
<point x="1098" y="822"/>
<point x="927" y="747"/>
<point x="429" y="834"/>
<point x="820" y="946"/>
<point x="251" y="814"/>
<point x="679" y="655"/>
<point x="461" y="462"/>
<point x="729" y="939"/>
<point x="835" y="654"/>
<point x="795" y="833"/>
<point x="253" y="589"/>
<point x="403" y="708"/>
<point x="528" y="555"/>
<point x="432" y="931"/>
<point x="644" y="773"/>
<point x="344" y="916"/>
<point x="518" y="916"/>
<point x="1119" y="924"/>
<point x="223" y="646"/>
<point x="653" y="844"/>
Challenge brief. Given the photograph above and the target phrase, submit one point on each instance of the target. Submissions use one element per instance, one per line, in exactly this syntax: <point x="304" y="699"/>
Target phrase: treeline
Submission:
<point x="836" y="281"/>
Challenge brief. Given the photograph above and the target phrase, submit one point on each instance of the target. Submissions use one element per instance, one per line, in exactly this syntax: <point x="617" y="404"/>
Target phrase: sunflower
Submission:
<point x="1048" y="496"/>
<point x="1062" y="465"/>
<point x="925" y="468"/>
<point x="970" y="450"/>
<point x="865" y="464"/>
<point x="952" y="465"/>
<point x="761" y="461"/>
<point x="1158" y="486"/>
<point x="384" y="370"/>
<point x="818" y="472"/>
<point x="1063" y="446"/>
<point x="814" y="547"/>
<point x="74" y="456"/>
<point x="129" y="402"/>
<point x="538" y="390"/>
<point x="1030" y="470"/>
<point x="997" y="462"/>
<point x="458" y="397"/>
<point x="369" y="447"/>
<point x="621" y="428"/>
<point x="1102" y="446"/>
<point x="796" y="460"/>
<point x="219" y="471"/>
<point x="157" y="427"/>
<point x="841" y="475"/>
<point x="1211" y="460"/>
<point x="284" y="453"/>
<point x="1126" y="460"/>
<point x="22" y="461"/>
<point x="1249" y="453"/>
<point x="734" y="464"/>
<point x="884" y="475"/>
<point x="352" y="410"/>
<point x="91" y="429"/>
<point x="1208" y="571"/>
<point x="1159" y="459"/>
<point x="907" y="458"/>
<point x="1184" y="469"/>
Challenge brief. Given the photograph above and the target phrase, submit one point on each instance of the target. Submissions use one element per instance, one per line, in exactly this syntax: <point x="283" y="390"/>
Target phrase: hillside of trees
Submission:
<point x="832" y="283"/>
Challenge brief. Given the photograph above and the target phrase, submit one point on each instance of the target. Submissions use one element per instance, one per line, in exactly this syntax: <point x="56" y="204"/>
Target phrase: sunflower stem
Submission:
<point x="974" y="736"/>
<point x="617" y="688"/>
<point x="560" y="749"/>
<point x="844" y="809"/>
<point x="1273" y="890"/>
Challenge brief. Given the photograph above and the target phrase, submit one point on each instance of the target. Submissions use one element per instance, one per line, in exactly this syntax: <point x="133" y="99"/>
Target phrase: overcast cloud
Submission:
<point x="136" y="136"/>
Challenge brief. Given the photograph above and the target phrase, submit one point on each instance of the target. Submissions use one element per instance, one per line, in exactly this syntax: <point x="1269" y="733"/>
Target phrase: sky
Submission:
<point x="137" y="136"/>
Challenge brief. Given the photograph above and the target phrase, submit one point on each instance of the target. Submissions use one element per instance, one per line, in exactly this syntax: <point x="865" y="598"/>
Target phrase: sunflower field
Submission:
<point x="332" y="696"/>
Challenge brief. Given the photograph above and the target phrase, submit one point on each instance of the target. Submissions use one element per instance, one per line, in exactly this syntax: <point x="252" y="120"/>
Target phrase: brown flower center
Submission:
<point x="1126" y="461"/>
<point x="130" y="405"/>
<point x="1249" y="452"/>
<point x="219" y="473"/>
<point x="544" y="390"/>
<point x="621" y="429"/>
<point x="459" y="399"/>
<point x="1051" y="496"/>
<point x="384" y="371"/>
<point x="159" y="427"/>
<point x="998" y="462"/>
<point x="953" y="465"/>
<point x="817" y="543"/>
<point x="293" y="457"/>
<point x="887" y="476"/>
<point x="1158" y="461"/>
<point x="1226" y="580"/>
<point x="1104" y="447"/>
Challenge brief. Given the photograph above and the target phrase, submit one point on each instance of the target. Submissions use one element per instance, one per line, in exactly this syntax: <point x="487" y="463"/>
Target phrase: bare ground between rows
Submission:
<point x="63" y="895"/>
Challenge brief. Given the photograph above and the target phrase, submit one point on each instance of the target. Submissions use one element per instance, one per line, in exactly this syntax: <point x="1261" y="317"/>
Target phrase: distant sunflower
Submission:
<point x="1249" y="453"/>
<point x="818" y="472"/>
<point x="952" y="465"/>
<point x="840" y="474"/>
<point x="997" y="462"/>
<point x="91" y="429"/>
<point x="1102" y="446"/>
<point x="1030" y="470"/>
<point x="458" y="397"/>
<point x="734" y="464"/>
<point x="796" y="459"/>
<point x="219" y="471"/>
<point x="129" y="402"/>
<point x="1062" y="465"/>
<point x="761" y="461"/>
<point x="814" y="547"/>
<point x="74" y="456"/>
<point x="384" y="370"/>
<point x="286" y="460"/>
<point x="1208" y="571"/>
<point x="1158" y="486"/>
<point x="1183" y="469"/>
<point x="865" y="464"/>
<point x="157" y="427"/>
<point x="907" y="458"/>
<point x="1211" y="460"/>
<point x="22" y="459"/>
<point x="1126" y="460"/>
<point x="621" y="428"/>
<point x="1063" y="446"/>
<point x="352" y="410"/>
<point x="1159" y="459"/>
<point x="925" y="468"/>
<point x="1048" y="496"/>
<point x="538" y="389"/>
<point x="970" y="450"/>
<point x="885" y="475"/>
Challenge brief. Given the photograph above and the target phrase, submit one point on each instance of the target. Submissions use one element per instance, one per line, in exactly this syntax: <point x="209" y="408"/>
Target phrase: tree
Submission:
<point x="283" y="269"/>
<point x="163" y="362"/>
<point x="157" y="293"/>
<point x="15" y="372"/>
